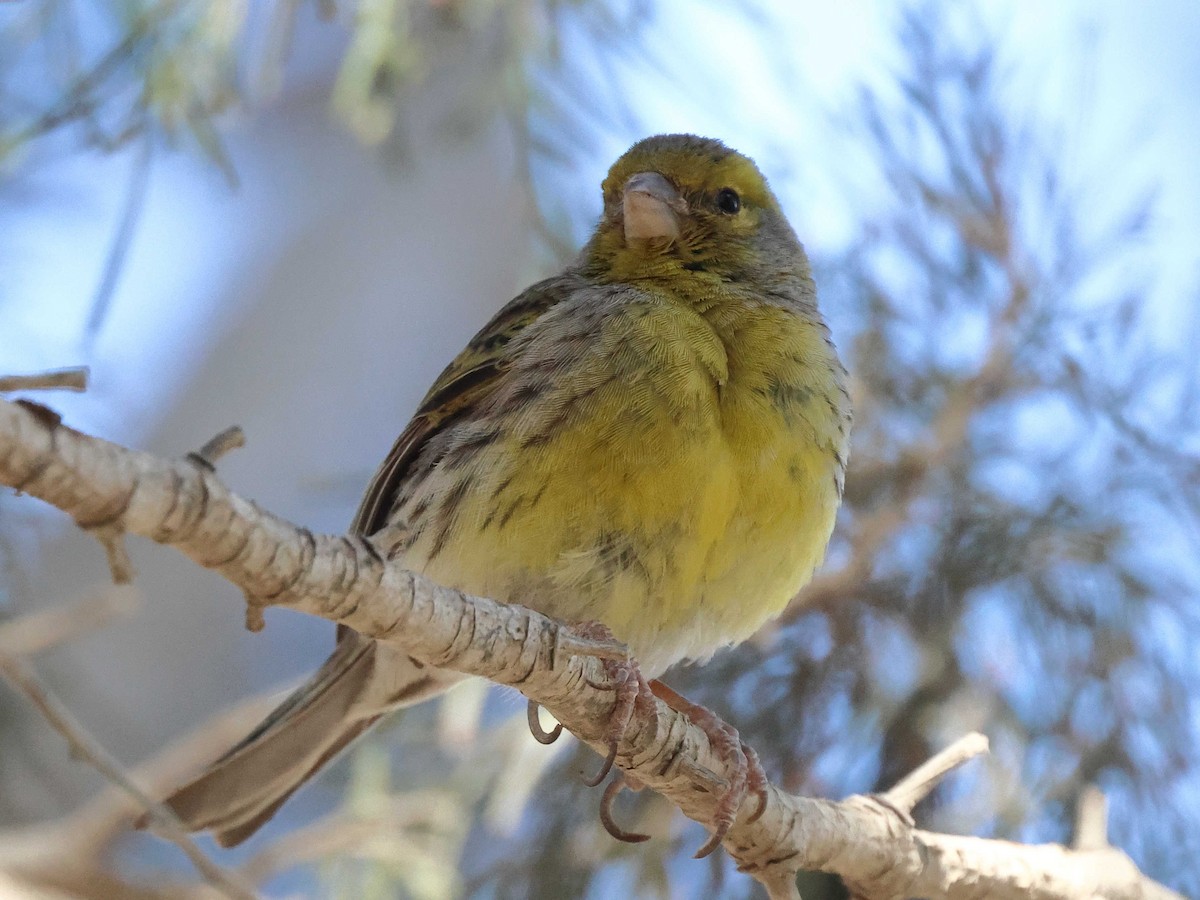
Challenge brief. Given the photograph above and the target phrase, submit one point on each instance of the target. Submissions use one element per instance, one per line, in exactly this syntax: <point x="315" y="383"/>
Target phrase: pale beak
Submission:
<point x="651" y="208"/>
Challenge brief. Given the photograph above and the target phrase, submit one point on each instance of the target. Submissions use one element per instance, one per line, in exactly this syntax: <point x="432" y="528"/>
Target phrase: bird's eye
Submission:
<point x="728" y="201"/>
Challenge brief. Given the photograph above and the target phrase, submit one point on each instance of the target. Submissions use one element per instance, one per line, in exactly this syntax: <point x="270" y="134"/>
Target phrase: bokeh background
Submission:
<point x="290" y="215"/>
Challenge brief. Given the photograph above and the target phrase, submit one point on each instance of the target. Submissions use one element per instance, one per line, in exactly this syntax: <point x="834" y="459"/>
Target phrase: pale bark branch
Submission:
<point x="917" y="785"/>
<point x="1091" y="820"/>
<point x="72" y="855"/>
<point x="72" y="379"/>
<point x="232" y="438"/>
<point x="35" y="632"/>
<point x="85" y="747"/>
<point x="345" y="579"/>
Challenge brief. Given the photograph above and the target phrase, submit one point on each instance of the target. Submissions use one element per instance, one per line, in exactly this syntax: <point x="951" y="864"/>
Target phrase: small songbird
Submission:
<point x="654" y="440"/>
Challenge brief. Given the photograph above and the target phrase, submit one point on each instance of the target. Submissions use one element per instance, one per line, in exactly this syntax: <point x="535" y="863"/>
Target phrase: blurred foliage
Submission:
<point x="1008" y="514"/>
<point x="120" y="68"/>
<point x="103" y="76"/>
<point x="1015" y="550"/>
<point x="170" y="64"/>
<point x="1015" y="554"/>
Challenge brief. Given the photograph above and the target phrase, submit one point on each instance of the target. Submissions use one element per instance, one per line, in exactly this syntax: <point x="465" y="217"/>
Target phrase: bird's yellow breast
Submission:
<point x="674" y="473"/>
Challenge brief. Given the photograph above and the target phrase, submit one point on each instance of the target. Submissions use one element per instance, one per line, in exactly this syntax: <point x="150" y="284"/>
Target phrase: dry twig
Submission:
<point x="35" y="632"/>
<point x="86" y="748"/>
<point x="919" y="783"/>
<point x="345" y="579"/>
<point x="232" y="438"/>
<point x="72" y="379"/>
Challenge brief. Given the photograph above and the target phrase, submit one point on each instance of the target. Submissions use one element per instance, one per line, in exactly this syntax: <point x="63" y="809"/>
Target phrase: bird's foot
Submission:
<point x="748" y="775"/>
<point x="623" y="676"/>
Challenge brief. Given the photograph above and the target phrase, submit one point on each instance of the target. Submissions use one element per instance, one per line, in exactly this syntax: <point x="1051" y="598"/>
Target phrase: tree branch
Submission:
<point x="72" y="379"/>
<point x="918" y="784"/>
<point x="345" y="579"/>
<point x="85" y="747"/>
<point x="71" y="856"/>
<point x="35" y="632"/>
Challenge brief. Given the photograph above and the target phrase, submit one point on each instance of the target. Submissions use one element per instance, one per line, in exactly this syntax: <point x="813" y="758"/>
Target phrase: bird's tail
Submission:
<point x="360" y="682"/>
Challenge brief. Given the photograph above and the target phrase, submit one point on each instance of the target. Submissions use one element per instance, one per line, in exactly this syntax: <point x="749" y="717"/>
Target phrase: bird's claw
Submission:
<point x="605" y="767"/>
<point x="756" y="781"/>
<point x="626" y="679"/>
<point x="535" y="725"/>
<point x="606" y="816"/>
<point x="748" y="775"/>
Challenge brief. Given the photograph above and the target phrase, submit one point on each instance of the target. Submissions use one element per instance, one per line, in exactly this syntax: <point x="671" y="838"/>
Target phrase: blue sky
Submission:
<point x="1121" y="80"/>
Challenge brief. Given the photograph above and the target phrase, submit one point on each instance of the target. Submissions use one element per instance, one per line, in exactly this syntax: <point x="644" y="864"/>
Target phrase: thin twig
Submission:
<point x="38" y="631"/>
<point x="917" y="785"/>
<point x="118" y="252"/>
<point x="112" y="539"/>
<point x="72" y="379"/>
<point x="86" y="748"/>
<point x="1091" y="820"/>
<point x="232" y="438"/>
<point x="78" y="100"/>
<point x="89" y="832"/>
<point x="418" y="812"/>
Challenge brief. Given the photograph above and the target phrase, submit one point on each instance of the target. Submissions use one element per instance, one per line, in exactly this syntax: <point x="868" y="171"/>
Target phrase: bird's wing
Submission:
<point x="472" y="375"/>
<point x="466" y="382"/>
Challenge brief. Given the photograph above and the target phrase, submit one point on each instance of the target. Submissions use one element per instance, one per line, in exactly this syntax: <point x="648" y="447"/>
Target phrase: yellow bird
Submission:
<point x="654" y="439"/>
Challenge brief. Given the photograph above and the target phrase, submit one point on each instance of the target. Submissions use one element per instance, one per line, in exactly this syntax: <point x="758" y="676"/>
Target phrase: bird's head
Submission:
<point x="678" y="204"/>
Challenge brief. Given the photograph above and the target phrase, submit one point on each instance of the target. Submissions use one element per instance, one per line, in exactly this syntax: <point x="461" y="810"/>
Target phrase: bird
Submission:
<point x="652" y="442"/>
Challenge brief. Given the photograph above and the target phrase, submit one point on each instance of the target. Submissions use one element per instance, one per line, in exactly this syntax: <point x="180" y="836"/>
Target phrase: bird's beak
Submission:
<point x="651" y="207"/>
